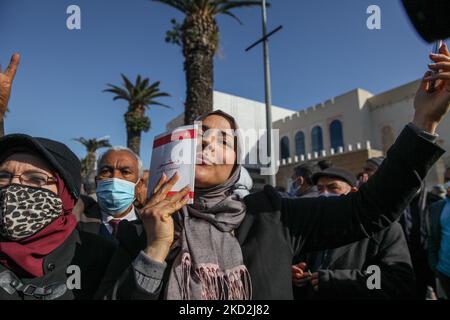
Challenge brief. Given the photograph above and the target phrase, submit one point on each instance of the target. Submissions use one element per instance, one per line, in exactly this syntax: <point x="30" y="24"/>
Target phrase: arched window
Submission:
<point x="336" y="136"/>
<point x="300" y="143"/>
<point x="284" y="148"/>
<point x="317" y="139"/>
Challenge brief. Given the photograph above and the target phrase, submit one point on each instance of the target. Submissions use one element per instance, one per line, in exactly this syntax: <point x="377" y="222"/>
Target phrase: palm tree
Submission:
<point x="139" y="96"/>
<point x="92" y="145"/>
<point x="199" y="37"/>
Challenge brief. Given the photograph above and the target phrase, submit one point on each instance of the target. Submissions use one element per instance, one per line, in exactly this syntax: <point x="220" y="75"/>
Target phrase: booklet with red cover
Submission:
<point x="175" y="151"/>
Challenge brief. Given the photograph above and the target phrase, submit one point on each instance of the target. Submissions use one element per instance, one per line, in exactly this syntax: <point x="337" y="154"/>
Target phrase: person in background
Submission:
<point x="341" y="273"/>
<point x="301" y="185"/>
<point x="119" y="183"/>
<point x="414" y="223"/>
<point x="439" y="241"/>
<point x="324" y="164"/>
<point x="370" y="167"/>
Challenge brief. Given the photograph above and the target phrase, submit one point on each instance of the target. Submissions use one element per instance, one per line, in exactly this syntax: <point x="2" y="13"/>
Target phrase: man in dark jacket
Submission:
<point x="413" y="222"/>
<point x="345" y="272"/>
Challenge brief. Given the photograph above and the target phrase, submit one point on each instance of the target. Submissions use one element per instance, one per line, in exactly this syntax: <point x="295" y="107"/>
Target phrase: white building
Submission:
<point x="354" y="121"/>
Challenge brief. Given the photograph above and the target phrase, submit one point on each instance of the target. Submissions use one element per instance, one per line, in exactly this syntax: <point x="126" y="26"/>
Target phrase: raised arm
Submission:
<point x="6" y="79"/>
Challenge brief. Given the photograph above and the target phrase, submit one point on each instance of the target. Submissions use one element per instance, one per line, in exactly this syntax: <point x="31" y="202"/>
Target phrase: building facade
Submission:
<point x="354" y="121"/>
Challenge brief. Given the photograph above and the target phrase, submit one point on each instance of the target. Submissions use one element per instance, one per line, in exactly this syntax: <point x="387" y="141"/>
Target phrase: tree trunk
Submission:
<point x="89" y="172"/>
<point x="91" y="158"/>
<point x="2" y="127"/>
<point x="135" y="121"/>
<point x="199" y="46"/>
<point x="134" y="141"/>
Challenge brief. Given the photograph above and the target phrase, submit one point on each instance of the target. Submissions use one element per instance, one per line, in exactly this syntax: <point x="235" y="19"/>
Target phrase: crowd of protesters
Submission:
<point x="316" y="241"/>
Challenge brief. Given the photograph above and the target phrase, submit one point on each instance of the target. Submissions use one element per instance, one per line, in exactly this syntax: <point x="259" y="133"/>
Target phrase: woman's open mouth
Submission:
<point x="202" y="160"/>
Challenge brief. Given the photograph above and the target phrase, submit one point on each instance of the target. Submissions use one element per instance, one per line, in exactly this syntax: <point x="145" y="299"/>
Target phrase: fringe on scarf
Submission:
<point x="232" y="284"/>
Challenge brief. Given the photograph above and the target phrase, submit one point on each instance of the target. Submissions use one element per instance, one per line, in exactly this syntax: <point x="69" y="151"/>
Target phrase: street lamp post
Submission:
<point x="267" y="87"/>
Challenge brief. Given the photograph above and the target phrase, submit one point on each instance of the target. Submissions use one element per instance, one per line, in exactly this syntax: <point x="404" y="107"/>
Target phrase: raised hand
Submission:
<point x="432" y="107"/>
<point x="157" y="217"/>
<point x="6" y="80"/>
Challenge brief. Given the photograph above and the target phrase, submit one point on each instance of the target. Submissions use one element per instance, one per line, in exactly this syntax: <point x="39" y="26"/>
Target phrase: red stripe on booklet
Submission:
<point x="172" y="193"/>
<point x="175" y="136"/>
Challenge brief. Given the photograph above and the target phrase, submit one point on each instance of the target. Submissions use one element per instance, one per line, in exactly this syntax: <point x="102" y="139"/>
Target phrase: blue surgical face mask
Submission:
<point x="293" y="188"/>
<point x="114" y="195"/>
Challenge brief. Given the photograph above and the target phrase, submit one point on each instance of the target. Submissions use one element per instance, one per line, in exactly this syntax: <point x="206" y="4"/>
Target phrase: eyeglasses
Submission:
<point x="31" y="179"/>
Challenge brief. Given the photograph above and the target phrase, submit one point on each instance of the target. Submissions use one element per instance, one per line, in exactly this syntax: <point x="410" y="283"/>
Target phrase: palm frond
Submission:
<point x="230" y="5"/>
<point x="81" y="140"/>
<point x="142" y="92"/>
<point x="180" y="5"/>
<point x="127" y="83"/>
<point x="227" y="13"/>
<point x="154" y="103"/>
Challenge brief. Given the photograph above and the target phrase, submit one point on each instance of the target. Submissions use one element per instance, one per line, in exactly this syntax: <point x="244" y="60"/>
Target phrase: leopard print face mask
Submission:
<point x="24" y="211"/>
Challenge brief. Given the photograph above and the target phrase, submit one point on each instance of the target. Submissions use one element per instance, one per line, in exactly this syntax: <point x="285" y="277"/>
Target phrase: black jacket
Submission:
<point x="93" y="224"/>
<point x="90" y="253"/>
<point x="276" y="229"/>
<point x="342" y="271"/>
<point x="417" y="239"/>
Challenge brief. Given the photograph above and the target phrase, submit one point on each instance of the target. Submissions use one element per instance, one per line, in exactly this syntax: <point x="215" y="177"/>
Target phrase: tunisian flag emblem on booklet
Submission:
<point x="175" y="151"/>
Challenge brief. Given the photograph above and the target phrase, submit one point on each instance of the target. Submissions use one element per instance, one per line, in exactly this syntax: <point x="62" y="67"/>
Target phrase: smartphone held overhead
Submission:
<point x="437" y="45"/>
